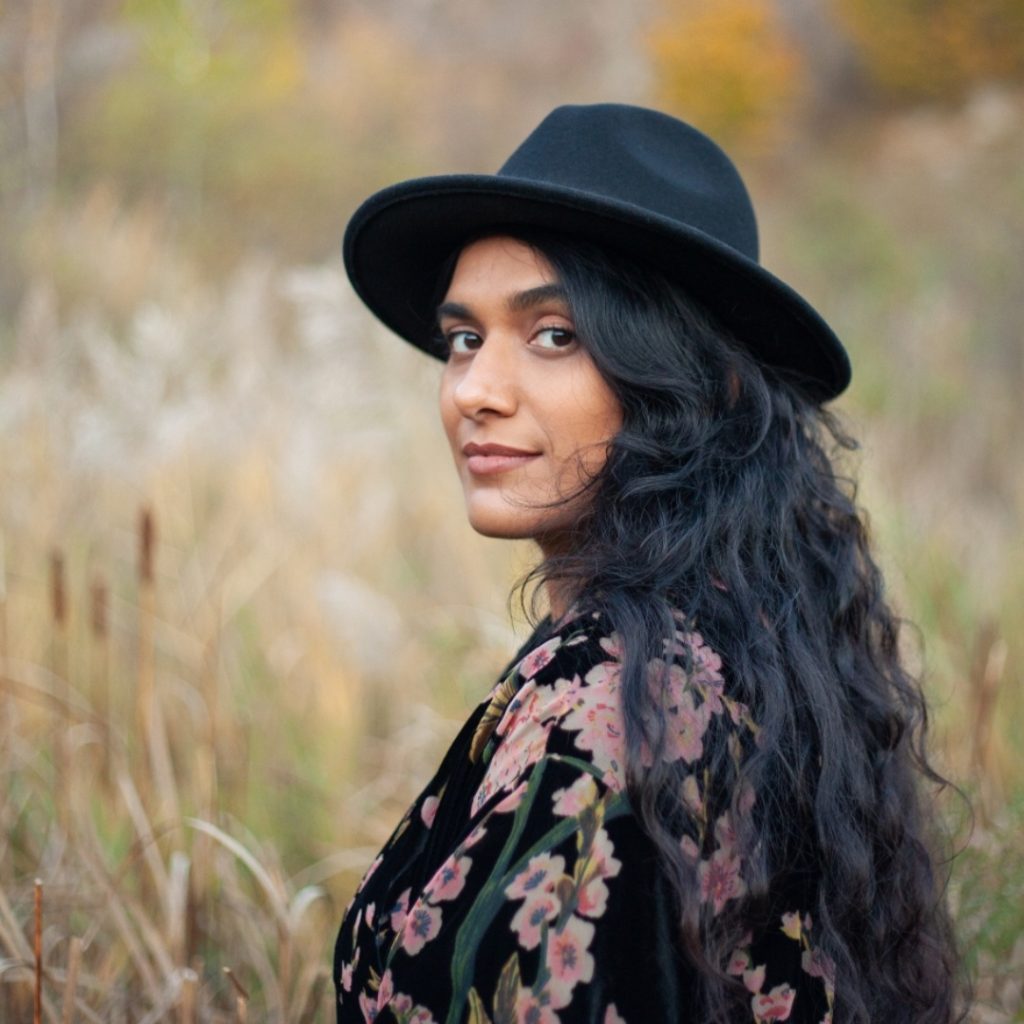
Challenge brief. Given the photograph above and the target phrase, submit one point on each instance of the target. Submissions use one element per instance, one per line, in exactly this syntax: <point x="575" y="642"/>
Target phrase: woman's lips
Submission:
<point x="483" y="460"/>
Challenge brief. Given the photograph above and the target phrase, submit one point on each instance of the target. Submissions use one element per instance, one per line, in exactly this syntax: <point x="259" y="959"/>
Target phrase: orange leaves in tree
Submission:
<point x="728" y="66"/>
<point x="935" y="49"/>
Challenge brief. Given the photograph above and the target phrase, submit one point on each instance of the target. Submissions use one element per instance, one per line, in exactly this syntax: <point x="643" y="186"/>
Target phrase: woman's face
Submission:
<point x="527" y="414"/>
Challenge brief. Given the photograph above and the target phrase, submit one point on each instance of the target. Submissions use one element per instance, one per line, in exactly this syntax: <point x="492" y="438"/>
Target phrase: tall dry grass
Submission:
<point x="241" y="612"/>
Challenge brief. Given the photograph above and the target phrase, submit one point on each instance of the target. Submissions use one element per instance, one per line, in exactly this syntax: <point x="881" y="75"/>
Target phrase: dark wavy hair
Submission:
<point x="719" y="499"/>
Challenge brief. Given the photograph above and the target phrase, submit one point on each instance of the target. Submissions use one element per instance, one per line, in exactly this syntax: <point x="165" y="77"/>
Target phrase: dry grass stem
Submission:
<point x="71" y="980"/>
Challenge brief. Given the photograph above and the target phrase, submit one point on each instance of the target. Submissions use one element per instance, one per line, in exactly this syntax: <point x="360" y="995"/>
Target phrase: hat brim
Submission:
<point x="399" y="238"/>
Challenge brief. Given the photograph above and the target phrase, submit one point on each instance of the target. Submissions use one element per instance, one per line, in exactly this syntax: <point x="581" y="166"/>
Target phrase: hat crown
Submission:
<point x="643" y="158"/>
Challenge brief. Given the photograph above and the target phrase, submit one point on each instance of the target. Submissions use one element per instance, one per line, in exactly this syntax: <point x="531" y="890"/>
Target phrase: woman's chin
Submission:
<point x="502" y="521"/>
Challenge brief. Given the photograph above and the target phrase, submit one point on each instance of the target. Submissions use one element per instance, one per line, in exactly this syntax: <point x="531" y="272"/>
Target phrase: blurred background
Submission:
<point x="241" y="613"/>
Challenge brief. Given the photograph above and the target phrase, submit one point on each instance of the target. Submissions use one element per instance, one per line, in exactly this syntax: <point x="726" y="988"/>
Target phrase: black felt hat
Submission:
<point x="636" y="181"/>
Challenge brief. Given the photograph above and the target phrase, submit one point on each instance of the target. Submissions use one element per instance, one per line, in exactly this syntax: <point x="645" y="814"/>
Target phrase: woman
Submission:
<point x="694" y="793"/>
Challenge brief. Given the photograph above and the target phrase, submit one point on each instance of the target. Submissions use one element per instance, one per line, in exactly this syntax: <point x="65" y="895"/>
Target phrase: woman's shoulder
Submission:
<point x="565" y="696"/>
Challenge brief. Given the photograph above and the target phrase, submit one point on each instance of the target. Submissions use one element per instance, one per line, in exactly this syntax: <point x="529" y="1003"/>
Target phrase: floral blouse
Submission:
<point x="520" y="888"/>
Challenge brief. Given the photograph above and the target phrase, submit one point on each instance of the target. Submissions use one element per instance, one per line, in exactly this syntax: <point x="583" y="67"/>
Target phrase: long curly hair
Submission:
<point x="719" y="500"/>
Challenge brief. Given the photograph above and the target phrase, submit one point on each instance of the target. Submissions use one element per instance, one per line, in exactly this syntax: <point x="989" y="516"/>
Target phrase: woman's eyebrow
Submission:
<point x="455" y="310"/>
<point x="522" y="301"/>
<point x="518" y="302"/>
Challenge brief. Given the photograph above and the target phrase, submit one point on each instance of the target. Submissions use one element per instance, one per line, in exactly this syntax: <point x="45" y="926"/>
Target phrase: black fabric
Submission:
<point x="521" y="887"/>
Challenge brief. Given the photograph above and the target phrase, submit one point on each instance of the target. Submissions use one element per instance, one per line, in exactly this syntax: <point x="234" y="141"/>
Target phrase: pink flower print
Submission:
<point x="690" y="849"/>
<point x="592" y="897"/>
<point x="386" y="990"/>
<point x="539" y="657"/>
<point x="531" y="916"/>
<point x="753" y="978"/>
<point x="601" y="731"/>
<point x="531" y="1009"/>
<point x="791" y="926"/>
<point x="612" y="1016"/>
<point x="561" y="698"/>
<point x="399" y="910"/>
<point x="370" y="911"/>
<point x="605" y="676"/>
<point x="420" y="1015"/>
<point x="473" y="838"/>
<point x="449" y="880"/>
<point x="725" y="833"/>
<point x="368" y="1004"/>
<point x="685" y="724"/>
<point x="568" y="959"/>
<point x="422" y="924"/>
<point x="776" y="1005"/>
<point x="738" y="962"/>
<point x="692" y="796"/>
<point x="612" y="645"/>
<point x="428" y="812"/>
<point x="541" y="874"/>
<point x="522" y="748"/>
<point x="571" y="802"/>
<point x="819" y="965"/>
<point x="346" y="977"/>
<point x="720" y="879"/>
<point x="512" y="801"/>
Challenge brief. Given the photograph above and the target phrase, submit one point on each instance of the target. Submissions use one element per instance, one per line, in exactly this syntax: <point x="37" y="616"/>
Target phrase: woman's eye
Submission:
<point x="555" y="337"/>
<point x="461" y="342"/>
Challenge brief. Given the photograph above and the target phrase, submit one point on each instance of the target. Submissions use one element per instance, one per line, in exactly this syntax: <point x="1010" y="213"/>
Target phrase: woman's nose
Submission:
<point x="488" y="383"/>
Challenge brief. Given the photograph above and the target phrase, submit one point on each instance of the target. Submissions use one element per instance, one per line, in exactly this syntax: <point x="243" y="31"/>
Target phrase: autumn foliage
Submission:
<point x="935" y="49"/>
<point x="728" y="66"/>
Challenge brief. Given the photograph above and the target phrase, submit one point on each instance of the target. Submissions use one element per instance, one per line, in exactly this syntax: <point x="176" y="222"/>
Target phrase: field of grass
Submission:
<point x="241" y="612"/>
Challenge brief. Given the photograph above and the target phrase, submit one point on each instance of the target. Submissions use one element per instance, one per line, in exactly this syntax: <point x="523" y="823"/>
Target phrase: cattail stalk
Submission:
<point x="61" y="751"/>
<point x="37" y="1006"/>
<point x="152" y="729"/>
<point x="100" y="673"/>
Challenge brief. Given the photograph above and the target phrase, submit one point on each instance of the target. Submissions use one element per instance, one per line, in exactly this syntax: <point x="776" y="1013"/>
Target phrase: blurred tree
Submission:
<point x="916" y="50"/>
<point x="727" y="65"/>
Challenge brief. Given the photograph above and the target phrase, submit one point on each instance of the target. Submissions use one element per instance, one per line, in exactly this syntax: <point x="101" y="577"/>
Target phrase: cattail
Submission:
<point x="61" y="754"/>
<point x="100" y="670"/>
<point x="58" y="591"/>
<point x="147" y="544"/>
<point x="153" y="731"/>
<point x="144" y="692"/>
